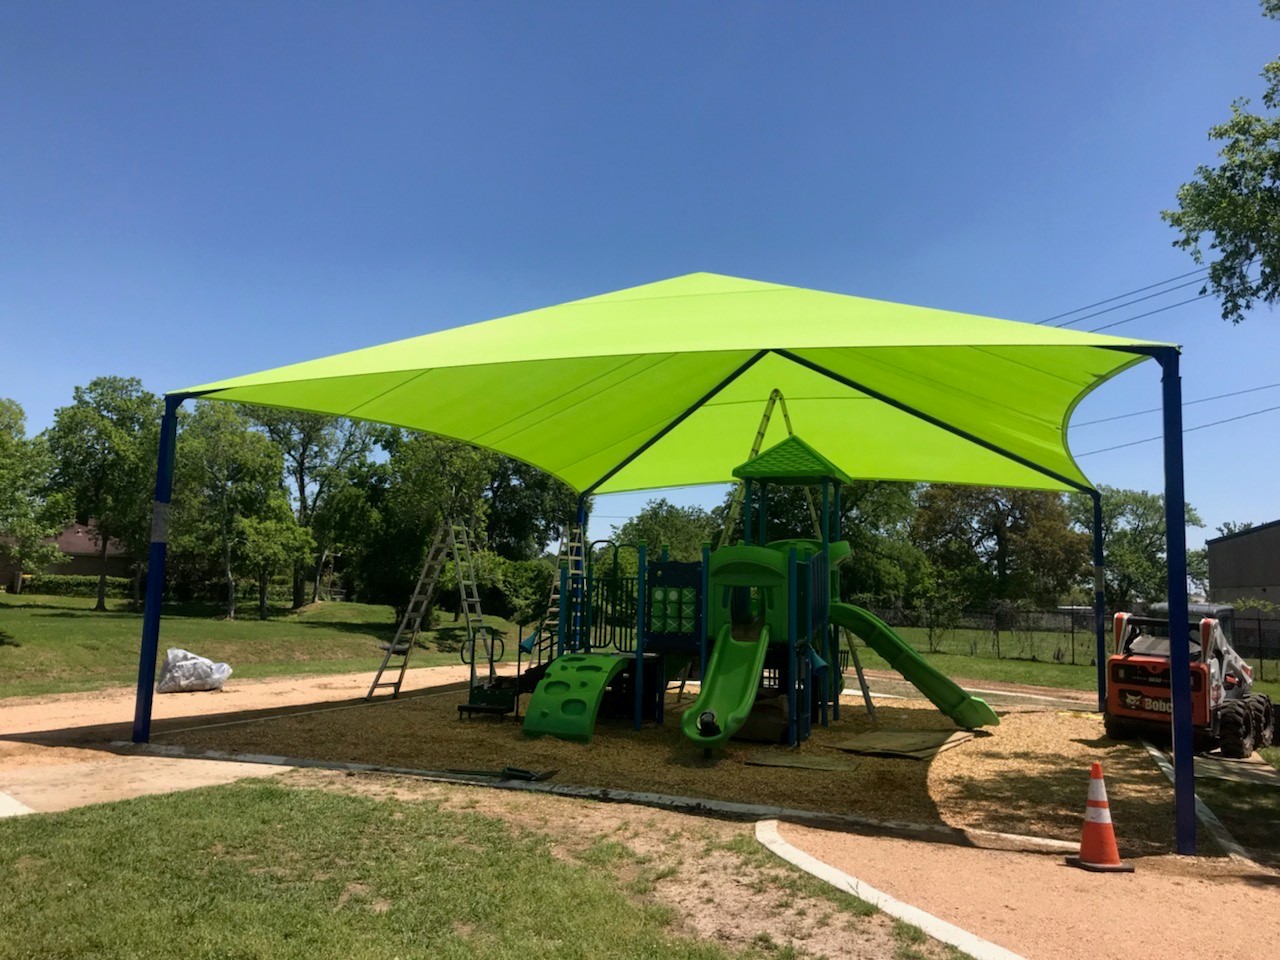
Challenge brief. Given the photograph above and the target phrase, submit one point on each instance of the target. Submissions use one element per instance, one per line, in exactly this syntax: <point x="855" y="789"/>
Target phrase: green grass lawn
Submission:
<point x="59" y="644"/>
<point x="260" y="869"/>
<point x="1013" y="668"/>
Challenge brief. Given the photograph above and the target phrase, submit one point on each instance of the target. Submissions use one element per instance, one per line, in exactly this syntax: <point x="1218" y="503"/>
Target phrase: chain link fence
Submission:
<point x="1065" y="635"/>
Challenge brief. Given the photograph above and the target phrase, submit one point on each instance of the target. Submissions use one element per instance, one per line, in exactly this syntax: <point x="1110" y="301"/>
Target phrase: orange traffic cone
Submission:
<point x="1098" y="849"/>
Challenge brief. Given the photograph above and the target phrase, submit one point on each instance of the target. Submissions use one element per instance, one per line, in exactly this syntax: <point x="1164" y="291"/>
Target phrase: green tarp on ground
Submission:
<point x="681" y="369"/>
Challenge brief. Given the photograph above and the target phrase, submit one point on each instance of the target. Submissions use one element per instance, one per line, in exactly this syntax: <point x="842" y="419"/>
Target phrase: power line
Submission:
<point x="1127" y="303"/>
<point x="1188" y="403"/>
<point x="1203" y="426"/>
<point x="1121" y="296"/>
<point x="1180" y="303"/>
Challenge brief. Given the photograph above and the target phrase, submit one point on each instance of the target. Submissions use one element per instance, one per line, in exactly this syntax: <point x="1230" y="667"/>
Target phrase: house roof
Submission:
<point x="1244" y="533"/>
<point x="81" y="540"/>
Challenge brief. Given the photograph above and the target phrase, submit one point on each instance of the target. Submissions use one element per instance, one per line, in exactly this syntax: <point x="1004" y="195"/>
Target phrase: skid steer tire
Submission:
<point x="1264" y="719"/>
<point x="1235" y="729"/>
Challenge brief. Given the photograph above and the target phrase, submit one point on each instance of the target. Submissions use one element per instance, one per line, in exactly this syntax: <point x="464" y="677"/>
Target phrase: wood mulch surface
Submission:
<point x="1029" y="775"/>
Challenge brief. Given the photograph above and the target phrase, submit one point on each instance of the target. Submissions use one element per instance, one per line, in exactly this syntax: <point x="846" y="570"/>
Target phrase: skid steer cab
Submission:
<point x="1225" y="712"/>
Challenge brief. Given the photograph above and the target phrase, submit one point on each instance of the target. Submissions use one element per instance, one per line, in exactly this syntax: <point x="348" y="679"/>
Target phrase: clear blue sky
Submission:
<point x="190" y="191"/>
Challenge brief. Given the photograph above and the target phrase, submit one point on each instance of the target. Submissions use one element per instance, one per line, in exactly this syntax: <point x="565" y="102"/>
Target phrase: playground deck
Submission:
<point x="1029" y="777"/>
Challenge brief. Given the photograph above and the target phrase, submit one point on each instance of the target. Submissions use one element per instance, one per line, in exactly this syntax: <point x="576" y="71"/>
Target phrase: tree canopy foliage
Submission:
<point x="29" y="512"/>
<point x="1237" y="202"/>
<point x="104" y="445"/>
<point x="1133" y="530"/>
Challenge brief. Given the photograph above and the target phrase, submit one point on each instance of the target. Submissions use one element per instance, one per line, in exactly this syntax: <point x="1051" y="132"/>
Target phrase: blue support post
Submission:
<point x="581" y="638"/>
<point x="155" y="571"/>
<point x="1099" y="602"/>
<point x="642" y="591"/>
<point x="1184" y="785"/>
<point x="837" y="675"/>
<point x="792" y="626"/>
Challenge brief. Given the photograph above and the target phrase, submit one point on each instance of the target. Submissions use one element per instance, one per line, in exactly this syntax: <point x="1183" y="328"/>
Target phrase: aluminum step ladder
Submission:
<point x="396" y="658"/>
<point x="542" y="649"/>
<point x="480" y="641"/>
<point x="739" y="492"/>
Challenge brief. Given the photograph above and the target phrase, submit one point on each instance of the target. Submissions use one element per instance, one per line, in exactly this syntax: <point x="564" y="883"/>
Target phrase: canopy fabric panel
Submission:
<point x="664" y="385"/>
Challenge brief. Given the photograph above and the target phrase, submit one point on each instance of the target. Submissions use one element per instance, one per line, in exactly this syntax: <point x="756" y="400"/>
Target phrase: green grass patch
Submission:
<point x="790" y="881"/>
<point x="1040" y="673"/>
<point x="59" y="644"/>
<point x="1250" y="811"/>
<point x="259" y="869"/>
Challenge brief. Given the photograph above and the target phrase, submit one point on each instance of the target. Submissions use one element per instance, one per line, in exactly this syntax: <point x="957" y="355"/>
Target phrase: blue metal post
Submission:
<point x="1184" y="785"/>
<point x="830" y="687"/>
<point x="581" y="639"/>
<point x="642" y="591"/>
<point x="792" y="626"/>
<point x="1099" y="602"/>
<point x="155" y="571"/>
<point x="833" y="636"/>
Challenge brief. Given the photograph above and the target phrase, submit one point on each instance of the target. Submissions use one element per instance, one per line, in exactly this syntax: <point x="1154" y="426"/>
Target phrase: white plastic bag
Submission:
<point x="183" y="672"/>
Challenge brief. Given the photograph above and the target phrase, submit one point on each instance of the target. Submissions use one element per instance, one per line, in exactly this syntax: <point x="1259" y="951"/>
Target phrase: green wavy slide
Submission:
<point x="728" y="690"/>
<point x="965" y="709"/>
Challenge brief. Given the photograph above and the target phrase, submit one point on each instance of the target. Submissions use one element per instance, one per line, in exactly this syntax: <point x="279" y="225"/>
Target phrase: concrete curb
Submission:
<point x="1221" y="835"/>
<point x="974" y="946"/>
<point x="12" y="807"/>
<point x="937" y="833"/>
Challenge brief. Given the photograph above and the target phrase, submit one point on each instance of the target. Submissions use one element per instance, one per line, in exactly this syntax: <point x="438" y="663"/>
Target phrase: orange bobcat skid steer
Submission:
<point x="1225" y="713"/>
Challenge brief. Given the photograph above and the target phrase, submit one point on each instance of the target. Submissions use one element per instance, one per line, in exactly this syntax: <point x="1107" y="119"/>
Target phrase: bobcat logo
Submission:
<point x="1132" y="700"/>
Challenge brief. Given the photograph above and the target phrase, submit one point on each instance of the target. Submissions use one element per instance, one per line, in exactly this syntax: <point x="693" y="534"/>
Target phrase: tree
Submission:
<point x="28" y="516"/>
<point x="271" y="542"/>
<point x="1238" y="202"/>
<point x="660" y="522"/>
<point x="317" y="451"/>
<point x="1133" y="532"/>
<point x="875" y="517"/>
<point x="423" y="480"/>
<point x="225" y="473"/>
<point x="1001" y="545"/>
<point x="1230" y="527"/>
<point x="526" y="509"/>
<point x="104" y="444"/>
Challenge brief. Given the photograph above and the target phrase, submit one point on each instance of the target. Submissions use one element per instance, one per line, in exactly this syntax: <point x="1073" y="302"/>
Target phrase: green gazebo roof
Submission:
<point x="791" y="461"/>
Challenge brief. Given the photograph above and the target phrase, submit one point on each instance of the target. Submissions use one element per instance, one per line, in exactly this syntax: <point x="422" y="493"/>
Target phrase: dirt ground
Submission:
<point x="1035" y="905"/>
<point x="51" y="747"/>
<point x="719" y="883"/>
<point x="1028" y="776"/>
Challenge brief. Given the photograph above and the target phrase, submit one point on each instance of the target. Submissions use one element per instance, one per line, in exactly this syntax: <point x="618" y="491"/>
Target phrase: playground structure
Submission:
<point x="757" y="619"/>
<point x="669" y="373"/>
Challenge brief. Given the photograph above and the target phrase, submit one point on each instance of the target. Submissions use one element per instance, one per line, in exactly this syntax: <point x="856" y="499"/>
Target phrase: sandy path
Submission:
<point x="51" y="755"/>
<point x="1036" y="906"/>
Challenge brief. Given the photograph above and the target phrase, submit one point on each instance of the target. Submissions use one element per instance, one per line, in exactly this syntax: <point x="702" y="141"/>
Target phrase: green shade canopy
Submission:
<point x="664" y="384"/>
<point x="791" y="461"/>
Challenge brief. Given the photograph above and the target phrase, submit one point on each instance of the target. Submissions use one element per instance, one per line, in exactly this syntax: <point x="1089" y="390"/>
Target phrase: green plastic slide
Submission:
<point x="966" y="710"/>
<point x="728" y="689"/>
<point x="567" y="699"/>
